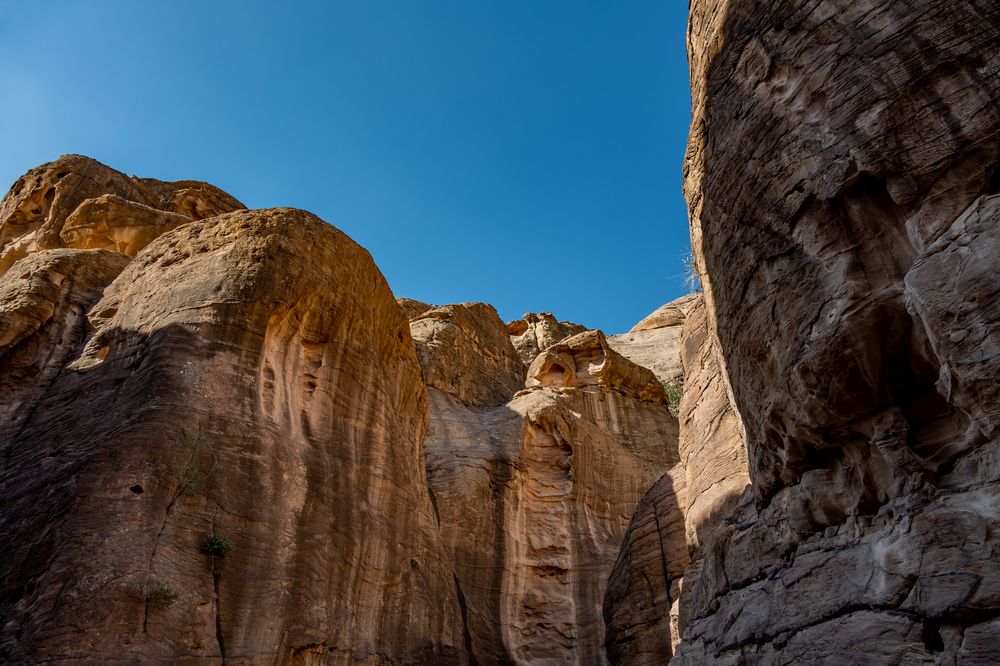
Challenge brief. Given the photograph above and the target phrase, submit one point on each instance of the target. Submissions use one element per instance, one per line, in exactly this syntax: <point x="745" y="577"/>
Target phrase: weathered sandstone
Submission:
<point x="247" y="377"/>
<point x="78" y="202"/>
<point x="534" y="496"/>
<point x="464" y="350"/>
<point x="642" y="602"/>
<point x="655" y="342"/>
<point x="44" y="302"/>
<point x="536" y="332"/>
<point x="842" y="182"/>
<point x="413" y="307"/>
<point x="683" y="510"/>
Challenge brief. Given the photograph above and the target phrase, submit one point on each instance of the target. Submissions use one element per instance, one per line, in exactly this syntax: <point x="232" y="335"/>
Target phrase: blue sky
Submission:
<point x="524" y="153"/>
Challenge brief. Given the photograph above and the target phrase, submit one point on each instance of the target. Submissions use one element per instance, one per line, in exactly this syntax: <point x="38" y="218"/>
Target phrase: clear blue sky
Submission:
<point x="524" y="153"/>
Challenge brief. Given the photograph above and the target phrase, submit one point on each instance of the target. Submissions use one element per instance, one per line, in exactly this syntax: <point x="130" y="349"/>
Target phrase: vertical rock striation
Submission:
<point x="534" y="490"/>
<point x="683" y="513"/>
<point x="842" y="181"/>
<point x="220" y="456"/>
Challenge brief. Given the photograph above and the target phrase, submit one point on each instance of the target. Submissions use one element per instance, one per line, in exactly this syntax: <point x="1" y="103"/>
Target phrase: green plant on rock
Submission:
<point x="154" y="593"/>
<point x="217" y="545"/>
<point x="675" y="391"/>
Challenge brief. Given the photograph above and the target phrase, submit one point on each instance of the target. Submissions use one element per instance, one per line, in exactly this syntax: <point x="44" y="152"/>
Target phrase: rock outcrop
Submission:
<point x="78" y="202"/>
<point x="681" y="514"/>
<point x="212" y="451"/>
<point x="535" y="492"/>
<point x="842" y="181"/>
<point x="655" y="342"/>
<point x="535" y="333"/>
<point x="213" y="420"/>
<point x="464" y="350"/>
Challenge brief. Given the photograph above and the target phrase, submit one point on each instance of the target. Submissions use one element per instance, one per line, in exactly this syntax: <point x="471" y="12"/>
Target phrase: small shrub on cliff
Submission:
<point x="675" y="390"/>
<point x="154" y="593"/>
<point x="217" y="545"/>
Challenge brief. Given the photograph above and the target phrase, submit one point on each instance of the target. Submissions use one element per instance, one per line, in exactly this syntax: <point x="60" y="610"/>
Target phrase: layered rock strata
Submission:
<point x="842" y="180"/>
<point x="655" y="342"/>
<point x="681" y="514"/>
<point x="535" y="333"/>
<point x="535" y="491"/>
<point x="219" y="454"/>
<point x="77" y="202"/>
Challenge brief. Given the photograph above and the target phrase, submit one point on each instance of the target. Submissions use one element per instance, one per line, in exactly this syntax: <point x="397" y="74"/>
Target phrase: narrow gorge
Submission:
<point x="225" y="440"/>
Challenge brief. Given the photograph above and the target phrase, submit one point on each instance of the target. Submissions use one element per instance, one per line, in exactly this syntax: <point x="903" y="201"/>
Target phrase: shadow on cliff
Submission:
<point x="638" y="599"/>
<point x="73" y="477"/>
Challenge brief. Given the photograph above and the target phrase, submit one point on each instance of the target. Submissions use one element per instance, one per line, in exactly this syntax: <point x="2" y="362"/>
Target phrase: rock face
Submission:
<point x="642" y="602"/>
<point x="535" y="490"/>
<point x="842" y="180"/>
<point x="212" y="420"/>
<point x="534" y="333"/>
<point x="712" y="446"/>
<point x="464" y="350"/>
<point x="655" y="342"/>
<point x="220" y="455"/>
<point x="78" y="202"/>
<point x="682" y="512"/>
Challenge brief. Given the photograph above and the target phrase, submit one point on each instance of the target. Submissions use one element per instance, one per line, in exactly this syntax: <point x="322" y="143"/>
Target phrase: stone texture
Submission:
<point x="841" y="177"/>
<point x="535" y="495"/>
<point x="712" y="448"/>
<point x="655" y="342"/>
<point x="586" y="359"/>
<point x="75" y="201"/>
<point x="249" y="376"/>
<point x="464" y="350"/>
<point x="643" y="605"/>
<point x="667" y="315"/>
<point x="535" y="333"/>
<point x="44" y="300"/>
<point x="643" y="595"/>
<point x="413" y="307"/>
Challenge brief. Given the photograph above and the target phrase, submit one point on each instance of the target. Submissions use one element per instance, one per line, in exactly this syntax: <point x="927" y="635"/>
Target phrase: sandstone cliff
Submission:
<point x="841" y="176"/>
<point x="222" y="439"/>
<point x="212" y="450"/>
<point x="535" y="487"/>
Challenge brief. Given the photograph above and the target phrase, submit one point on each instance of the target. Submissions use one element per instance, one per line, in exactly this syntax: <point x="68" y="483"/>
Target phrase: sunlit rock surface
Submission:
<point x="535" y="492"/>
<point x="248" y="381"/>
<point x="78" y="202"/>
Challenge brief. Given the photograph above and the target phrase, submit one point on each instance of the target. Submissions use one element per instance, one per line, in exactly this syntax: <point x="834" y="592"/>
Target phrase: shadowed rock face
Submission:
<point x="211" y="419"/>
<point x="248" y="376"/>
<point x="683" y="513"/>
<point x="842" y="180"/>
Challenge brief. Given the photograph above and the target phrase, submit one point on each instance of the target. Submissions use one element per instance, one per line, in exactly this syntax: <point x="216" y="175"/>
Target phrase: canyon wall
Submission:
<point x="223" y="440"/>
<point x="212" y="450"/>
<point x="535" y="481"/>
<point x="214" y="445"/>
<point x="842" y="181"/>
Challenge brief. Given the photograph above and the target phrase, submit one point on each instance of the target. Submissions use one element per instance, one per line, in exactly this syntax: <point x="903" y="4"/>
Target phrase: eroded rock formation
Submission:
<point x="217" y="457"/>
<point x="842" y="179"/>
<point x="535" y="333"/>
<point x="682" y="514"/>
<point x="78" y="202"/>
<point x="212" y="420"/>
<point x="535" y="491"/>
